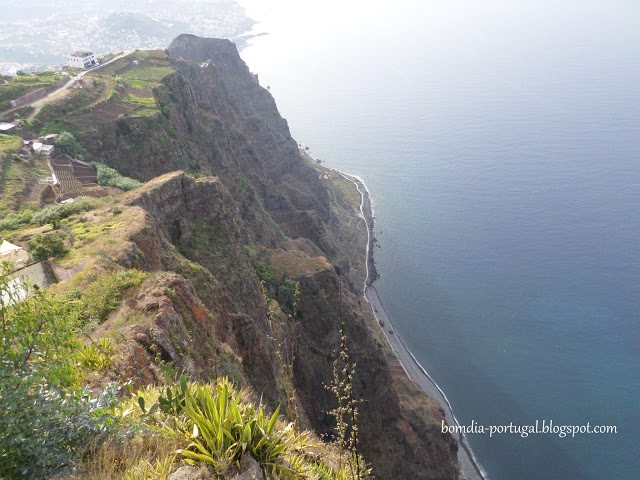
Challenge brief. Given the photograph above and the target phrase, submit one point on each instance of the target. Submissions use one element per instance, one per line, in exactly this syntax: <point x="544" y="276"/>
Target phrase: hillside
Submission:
<point x="235" y="258"/>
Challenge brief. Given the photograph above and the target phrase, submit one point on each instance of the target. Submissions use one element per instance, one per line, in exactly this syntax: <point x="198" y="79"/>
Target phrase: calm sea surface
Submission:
<point x="501" y="144"/>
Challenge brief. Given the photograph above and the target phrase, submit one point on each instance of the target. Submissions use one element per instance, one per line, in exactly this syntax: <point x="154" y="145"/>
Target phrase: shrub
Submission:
<point x="266" y="275"/>
<point x="42" y="247"/>
<point x="225" y="429"/>
<point x="14" y="220"/>
<point x="41" y="428"/>
<point x="111" y="177"/>
<point x="81" y="204"/>
<point x="66" y="143"/>
<point x="97" y="356"/>
<point x="103" y="295"/>
<point x="288" y="292"/>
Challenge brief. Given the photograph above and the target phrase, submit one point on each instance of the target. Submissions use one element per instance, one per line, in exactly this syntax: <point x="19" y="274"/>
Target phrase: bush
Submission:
<point x="288" y="292"/>
<point x="111" y="177"/>
<point x="103" y="295"/>
<point x="67" y="143"/>
<point x="14" y="220"/>
<point x="42" y="247"/>
<point x="97" y="356"/>
<point x="41" y="428"/>
<point x="224" y="429"/>
<point x="60" y="212"/>
<point x="266" y="275"/>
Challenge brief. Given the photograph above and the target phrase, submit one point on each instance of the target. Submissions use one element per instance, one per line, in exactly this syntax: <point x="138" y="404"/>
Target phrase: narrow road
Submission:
<point x="62" y="91"/>
<point x="468" y="462"/>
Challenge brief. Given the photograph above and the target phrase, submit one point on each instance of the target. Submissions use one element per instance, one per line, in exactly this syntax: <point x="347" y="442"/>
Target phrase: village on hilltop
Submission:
<point x="58" y="177"/>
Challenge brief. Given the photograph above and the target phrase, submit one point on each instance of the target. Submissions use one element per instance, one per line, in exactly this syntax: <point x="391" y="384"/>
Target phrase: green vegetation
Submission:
<point x="149" y="102"/>
<point x="8" y="144"/>
<point x="46" y="76"/>
<point x="104" y="292"/>
<point x="46" y="215"/>
<point x="111" y="177"/>
<point x="66" y="110"/>
<point x="16" y="179"/>
<point x="221" y="426"/>
<point x="106" y="56"/>
<point x="97" y="355"/>
<point x="266" y="275"/>
<point x="15" y="220"/>
<point x="56" y="126"/>
<point x="146" y="72"/>
<point x="145" y="112"/>
<point x="67" y="143"/>
<point x="288" y="292"/>
<point x="44" y="426"/>
<point x="140" y="84"/>
<point x="42" y="247"/>
<point x="23" y="84"/>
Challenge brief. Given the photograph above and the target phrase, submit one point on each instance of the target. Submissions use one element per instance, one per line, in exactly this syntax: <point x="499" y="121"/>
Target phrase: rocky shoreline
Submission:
<point x="471" y="468"/>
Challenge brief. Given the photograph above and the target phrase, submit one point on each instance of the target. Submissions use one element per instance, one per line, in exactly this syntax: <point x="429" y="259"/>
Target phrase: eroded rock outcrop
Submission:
<point x="219" y="236"/>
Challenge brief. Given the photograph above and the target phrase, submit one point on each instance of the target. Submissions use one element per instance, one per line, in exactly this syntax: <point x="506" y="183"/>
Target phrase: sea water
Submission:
<point x="501" y="144"/>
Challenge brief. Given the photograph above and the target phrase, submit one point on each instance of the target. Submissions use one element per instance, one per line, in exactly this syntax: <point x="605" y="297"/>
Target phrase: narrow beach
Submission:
<point x="469" y="464"/>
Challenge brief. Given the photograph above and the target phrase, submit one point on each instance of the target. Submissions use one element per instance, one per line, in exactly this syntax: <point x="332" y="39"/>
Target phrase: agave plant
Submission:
<point x="96" y="356"/>
<point x="172" y="402"/>
<point x="224" y="429"/>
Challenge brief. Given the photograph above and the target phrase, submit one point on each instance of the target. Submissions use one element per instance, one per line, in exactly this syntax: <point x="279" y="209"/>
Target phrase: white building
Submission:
<point x="13" y="253"/>
<point x="81" y="59"/>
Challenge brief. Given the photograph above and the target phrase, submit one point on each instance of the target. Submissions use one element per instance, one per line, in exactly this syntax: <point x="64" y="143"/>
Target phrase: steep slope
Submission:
<point x="226" y="250"/>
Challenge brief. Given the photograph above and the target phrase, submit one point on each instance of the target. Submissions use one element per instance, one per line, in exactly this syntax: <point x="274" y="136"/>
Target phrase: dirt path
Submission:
<point x="62" y="91"/>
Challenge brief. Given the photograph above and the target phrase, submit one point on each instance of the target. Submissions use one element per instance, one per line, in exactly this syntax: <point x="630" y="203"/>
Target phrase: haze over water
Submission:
<point x="501" y="144"/>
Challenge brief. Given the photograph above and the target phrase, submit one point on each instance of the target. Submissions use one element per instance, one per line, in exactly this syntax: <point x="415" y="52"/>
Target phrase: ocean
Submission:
<point x="500" y="142"/>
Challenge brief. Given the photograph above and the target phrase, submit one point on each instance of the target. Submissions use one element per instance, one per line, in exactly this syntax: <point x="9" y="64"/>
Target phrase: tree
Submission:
<point x="42" y="428"/>
<point x="67" y="143"/>
<point x="42" y="247"/>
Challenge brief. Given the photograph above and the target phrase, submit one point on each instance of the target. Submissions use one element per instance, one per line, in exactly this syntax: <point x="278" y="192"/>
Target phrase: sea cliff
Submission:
<point x="230" y="218"/>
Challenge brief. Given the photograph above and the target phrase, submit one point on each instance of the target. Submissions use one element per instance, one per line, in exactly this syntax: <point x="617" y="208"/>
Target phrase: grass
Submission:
<point x="140" y="84"/>
<point x="15" y="182"/>
<point x="295" y="263"/>
<point x="103" y="292"/>
<point x="130" y="458"/>
<point x="84" y="233"/>
<point x="148" y="102"/>
<point x="57" y="126"/>
<point x="37" y="79"/>
<point x="15" y="89"/>
<point x="109" y="248"/>
<point x="146" y="73"/>
<point x="144" y="112"/>
<point x="8" y="144"/>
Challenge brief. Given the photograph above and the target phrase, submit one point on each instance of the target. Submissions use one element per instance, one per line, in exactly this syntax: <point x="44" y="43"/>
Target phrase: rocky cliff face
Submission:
<point x="233" y="240"/>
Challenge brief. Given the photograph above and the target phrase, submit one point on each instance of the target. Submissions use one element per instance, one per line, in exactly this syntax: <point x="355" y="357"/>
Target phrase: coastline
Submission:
<point x="469" y="464"/>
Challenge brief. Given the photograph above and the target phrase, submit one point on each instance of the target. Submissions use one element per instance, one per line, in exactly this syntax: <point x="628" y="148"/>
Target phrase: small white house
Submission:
<point x="81" y="59"/>
<point x="13" y="253"/>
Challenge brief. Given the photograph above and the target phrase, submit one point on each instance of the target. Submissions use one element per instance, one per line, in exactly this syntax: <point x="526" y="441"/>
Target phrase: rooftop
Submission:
<point x="81" y="53"/>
